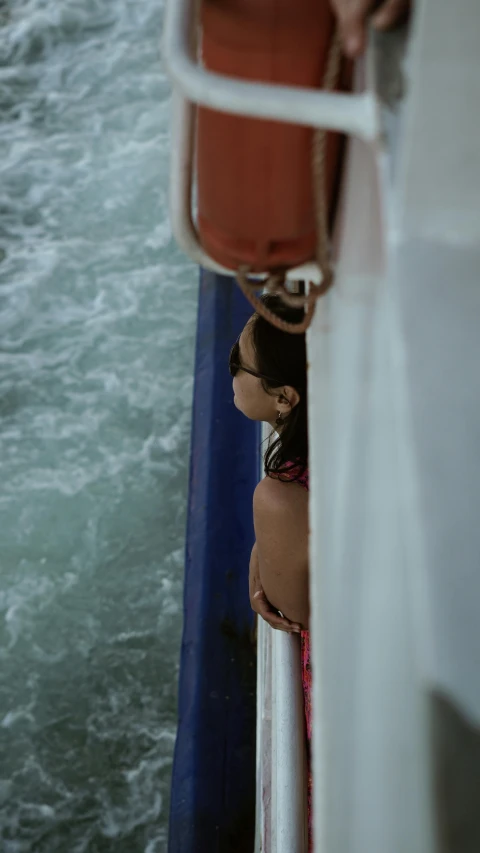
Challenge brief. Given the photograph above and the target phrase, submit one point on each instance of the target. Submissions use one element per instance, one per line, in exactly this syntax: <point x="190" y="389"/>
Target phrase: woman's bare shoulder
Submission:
<point x="280" y="516"/>
<point x="278" y="497"/>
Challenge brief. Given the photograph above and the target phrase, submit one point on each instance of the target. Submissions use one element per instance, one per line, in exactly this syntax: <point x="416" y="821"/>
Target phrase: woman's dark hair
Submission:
<point x="283" y="355"/>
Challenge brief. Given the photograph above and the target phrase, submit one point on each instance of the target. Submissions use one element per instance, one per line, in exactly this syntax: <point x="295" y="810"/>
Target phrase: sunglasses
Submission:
<point x="234" y="366"/>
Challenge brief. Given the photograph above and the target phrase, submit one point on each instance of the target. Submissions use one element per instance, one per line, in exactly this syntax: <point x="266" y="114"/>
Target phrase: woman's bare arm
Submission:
<point x="280" y="514"/>
<point x="260" y="603"/>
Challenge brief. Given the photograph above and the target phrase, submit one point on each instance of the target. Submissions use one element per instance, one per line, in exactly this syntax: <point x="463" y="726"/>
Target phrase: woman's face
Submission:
<point x="250" y="396"/>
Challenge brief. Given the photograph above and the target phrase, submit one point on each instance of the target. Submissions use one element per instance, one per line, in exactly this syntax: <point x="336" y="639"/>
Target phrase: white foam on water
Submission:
<point x="97" y="324"/>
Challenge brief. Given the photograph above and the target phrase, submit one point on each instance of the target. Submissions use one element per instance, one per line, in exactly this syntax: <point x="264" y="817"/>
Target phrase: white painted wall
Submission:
<point x="395" y="461"/>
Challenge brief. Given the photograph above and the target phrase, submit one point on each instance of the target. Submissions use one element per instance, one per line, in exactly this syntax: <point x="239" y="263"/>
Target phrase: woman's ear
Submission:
<point x="287" y="400"/>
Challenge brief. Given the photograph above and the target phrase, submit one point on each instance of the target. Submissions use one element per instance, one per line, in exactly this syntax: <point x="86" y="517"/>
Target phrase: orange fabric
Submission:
<point x="255" y="185"/>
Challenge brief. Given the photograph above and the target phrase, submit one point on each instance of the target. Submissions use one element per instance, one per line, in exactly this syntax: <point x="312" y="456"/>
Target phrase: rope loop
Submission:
<point x="276" y="284"/>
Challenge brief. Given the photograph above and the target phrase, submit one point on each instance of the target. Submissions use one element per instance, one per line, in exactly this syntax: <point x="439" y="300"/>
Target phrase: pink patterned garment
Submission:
<point x="307" y="691"/>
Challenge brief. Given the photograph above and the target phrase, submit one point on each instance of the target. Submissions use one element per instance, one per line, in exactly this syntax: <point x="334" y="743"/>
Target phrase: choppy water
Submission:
<point x="97" y="314"/>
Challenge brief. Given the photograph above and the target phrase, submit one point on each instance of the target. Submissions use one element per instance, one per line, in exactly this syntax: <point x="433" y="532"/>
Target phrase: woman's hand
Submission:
<point x="260" y="603"/>
<point x="352" y="18"/>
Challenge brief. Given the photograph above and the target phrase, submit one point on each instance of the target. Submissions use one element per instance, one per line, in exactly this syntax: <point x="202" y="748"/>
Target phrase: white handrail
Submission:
<point x="281" y="821"/>
<point x="348" y="113"/>
<point x="289" y="801"/>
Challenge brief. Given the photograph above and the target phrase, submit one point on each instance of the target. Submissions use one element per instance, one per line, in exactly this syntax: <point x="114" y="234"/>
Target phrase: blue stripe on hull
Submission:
<point x="213" y="785"/>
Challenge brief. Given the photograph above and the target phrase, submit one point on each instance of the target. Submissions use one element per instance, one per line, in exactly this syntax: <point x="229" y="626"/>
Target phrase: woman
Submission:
<point x="269" y="370"/>
<point x="270" y="384"/>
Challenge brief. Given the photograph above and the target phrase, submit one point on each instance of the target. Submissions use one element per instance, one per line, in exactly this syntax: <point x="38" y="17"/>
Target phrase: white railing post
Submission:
<point x="289" y="800"/>
<point x="281" y="819"/>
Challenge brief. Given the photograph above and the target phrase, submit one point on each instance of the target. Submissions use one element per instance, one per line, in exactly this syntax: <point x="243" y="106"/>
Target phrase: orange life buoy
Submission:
<point x="255" y="185"/>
